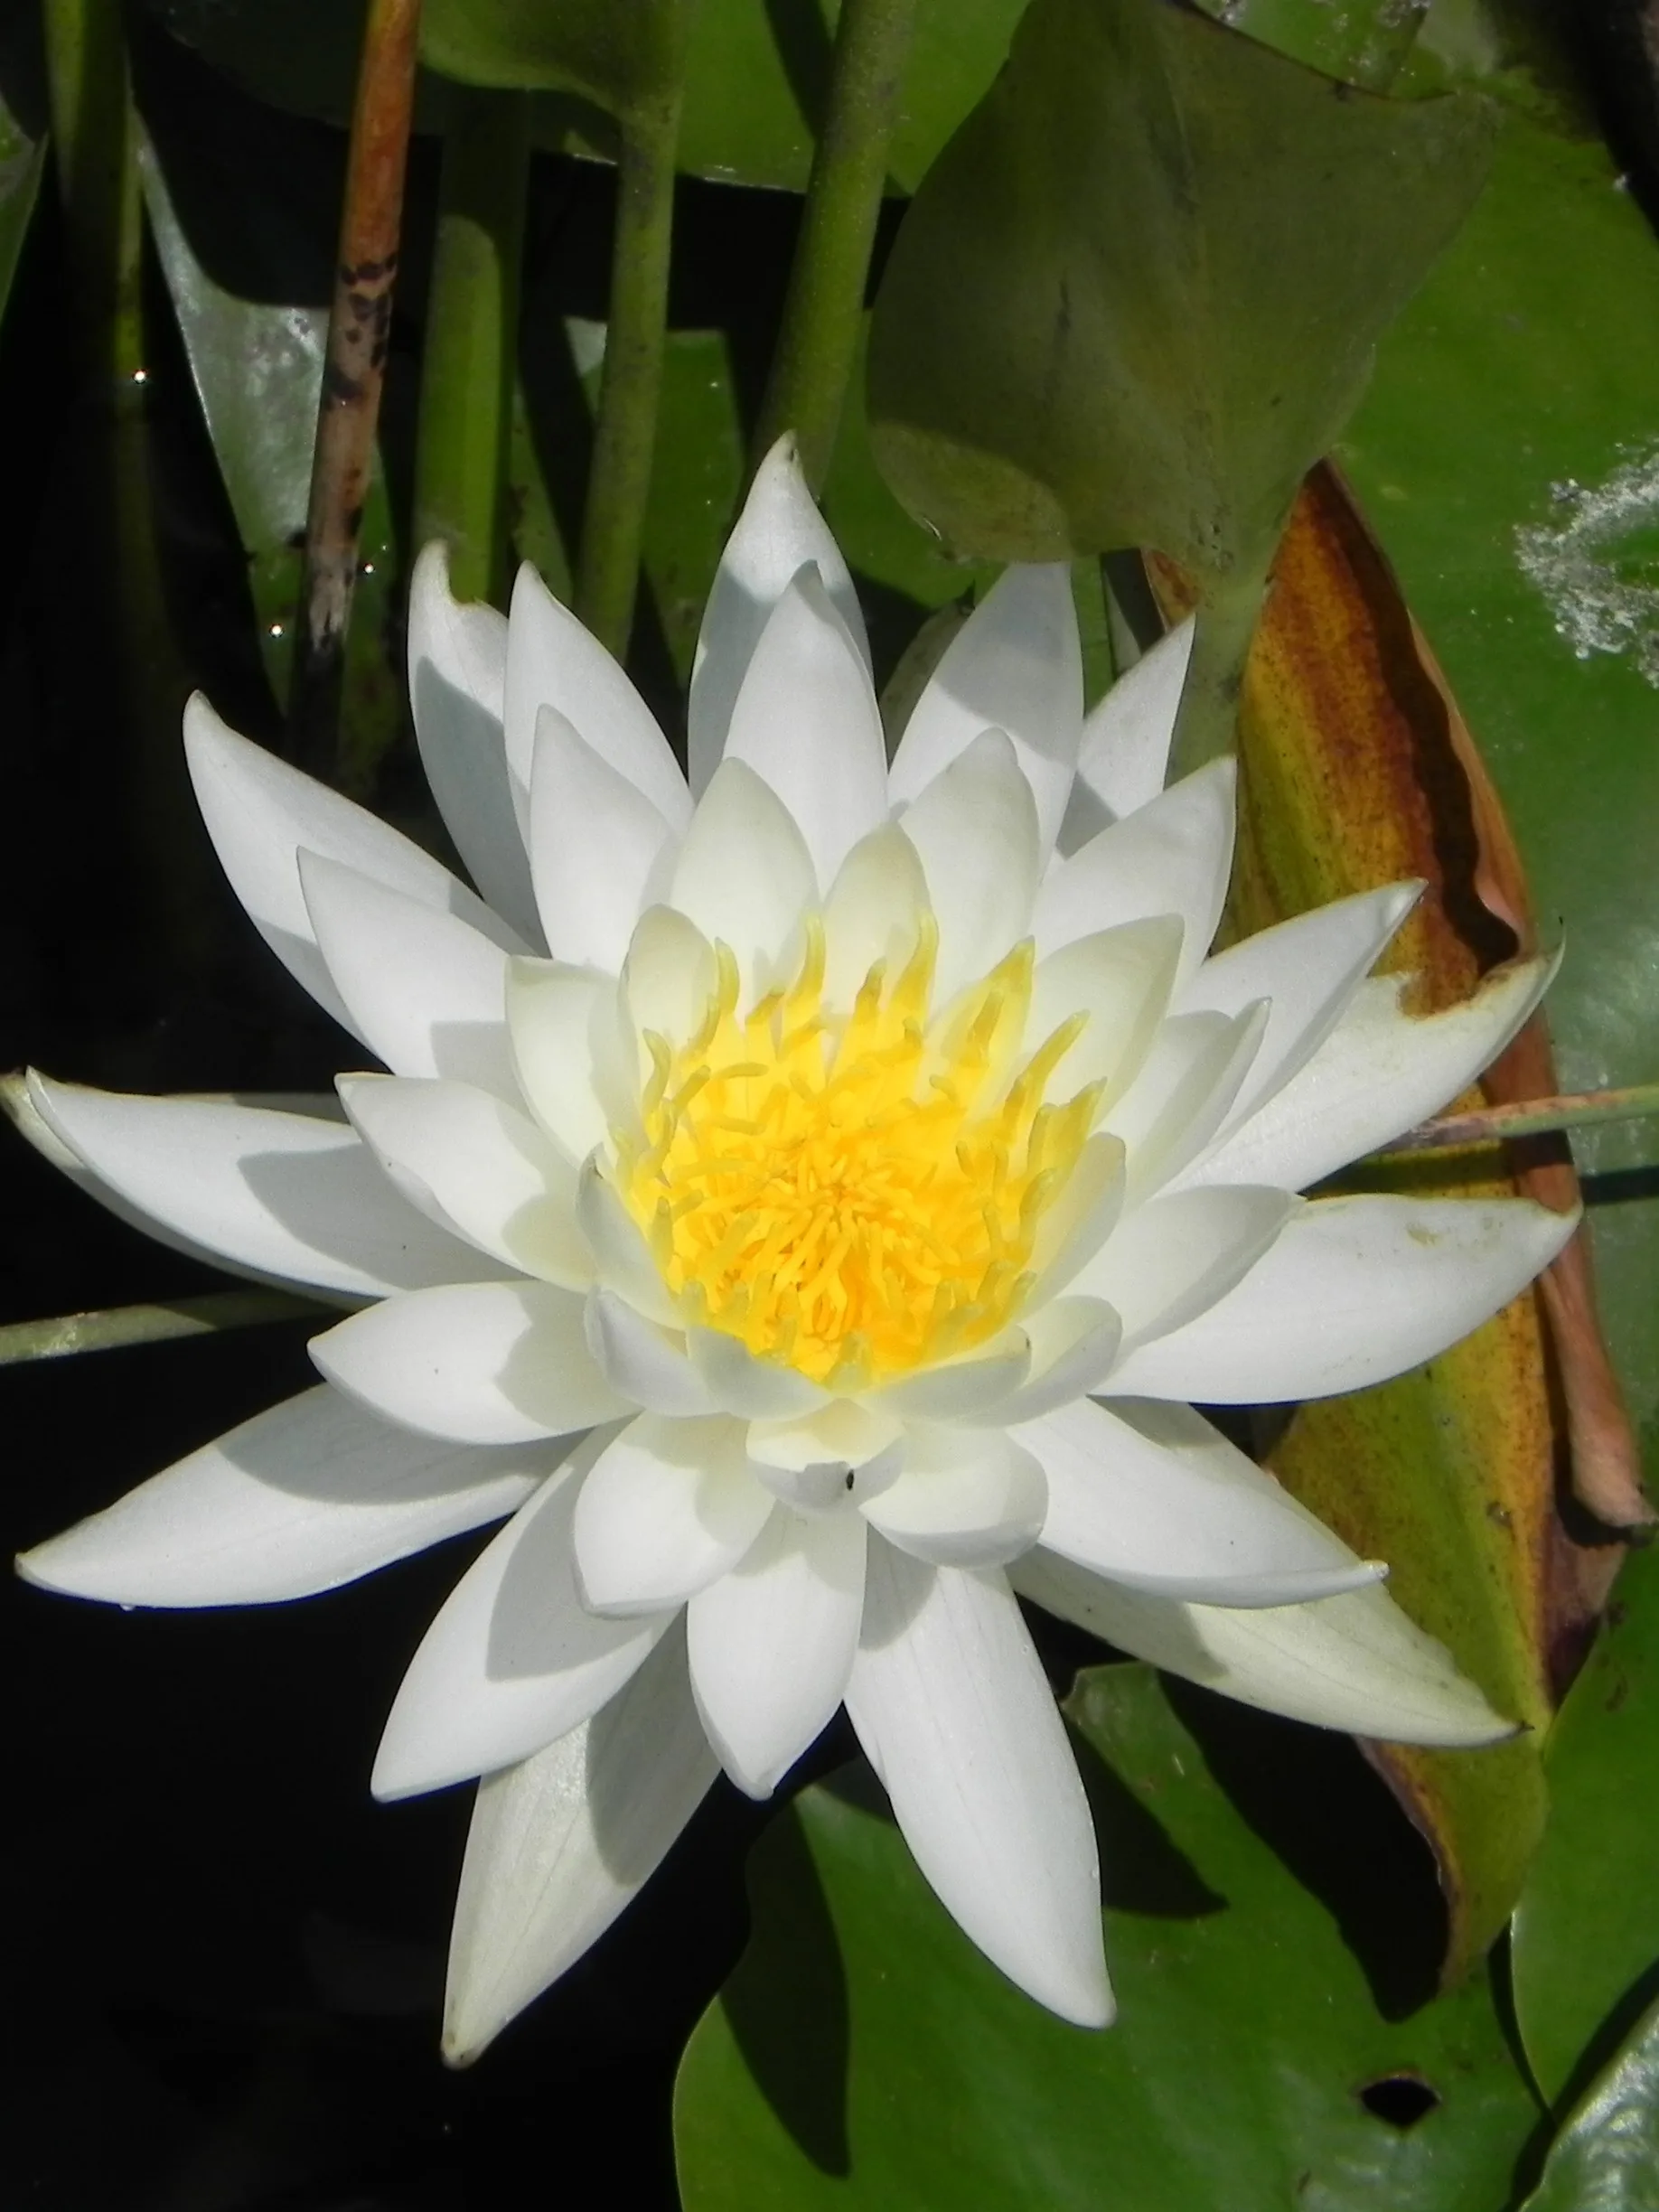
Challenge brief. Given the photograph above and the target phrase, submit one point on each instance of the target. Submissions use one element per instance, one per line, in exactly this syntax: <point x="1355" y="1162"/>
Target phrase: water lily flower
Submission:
<point x="806" y="1200"/>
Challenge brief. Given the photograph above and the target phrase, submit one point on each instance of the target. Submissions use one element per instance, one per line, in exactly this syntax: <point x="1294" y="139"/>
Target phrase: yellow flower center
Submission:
<point x="848" y="1195"/>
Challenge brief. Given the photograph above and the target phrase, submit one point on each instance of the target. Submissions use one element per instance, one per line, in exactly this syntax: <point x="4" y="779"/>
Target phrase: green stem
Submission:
<point x="1206" y="725"/>
<point x="116" y="1327"/>
<point x="472" y="330"/>
<point x="95" y="146"/>
<point x="631" y="382"/>
<point x="824" y="308"/>
<point x="1528" y="1117"/>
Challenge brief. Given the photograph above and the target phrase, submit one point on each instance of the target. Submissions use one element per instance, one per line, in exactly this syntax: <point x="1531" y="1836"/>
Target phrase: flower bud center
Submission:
<point x="854" y="1195"/>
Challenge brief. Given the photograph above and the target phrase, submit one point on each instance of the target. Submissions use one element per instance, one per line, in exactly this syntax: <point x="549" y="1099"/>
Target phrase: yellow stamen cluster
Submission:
<point x="848" y="1195"/>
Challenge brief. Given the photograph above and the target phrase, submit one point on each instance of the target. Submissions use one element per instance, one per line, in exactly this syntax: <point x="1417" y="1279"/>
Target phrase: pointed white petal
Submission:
<point x="426" y="992"/>
<point x="963" y="1499"/>
<point x="950" y="1702"/>
<point x="806" y="721"/>
<point x="477" y="1167"/>
<point x="562" y="1842"/>
<point x="1307" y="969"/>
<point x="1152" y="1496"/>
<point x="1174" y="857"/>
<point x="1352" y="1292"/>
<point x="259" y="812"/>
<point x="873" y="913"/>
<point x="565" y="1035"/>
<point x="975" y="829"/>
<point x="1074" y="1347"/>
<point x="1017" y="665"/>
<point x="1125" y="750"/>
<point x="553" y="661"/>
<point x="669" y="1506"/>
<point x="514" y="1659"/>
<point x="279" y="1195"/>
<point x="960" y="1389"/>
<point x="1173" y="1258"/>
<point x="841" y="1435"/>
<point x="457" y="687"/>
<point x="745" y="876"/>
<point x="300" y="1499"/>
<point x="1195" y="1068"/>
<point x="1121" y="980"/>
<point x="669" y="976"/>
<point x="1352" y="1662"/>
<point x="755" y="1389"/>
<point x="599" y="848"/>
<point x="488" y="1362"/>
<point x="641" y="1360"/>
<point x="1079" y="1218"/>
<point x="779" y="530"/>
<point x="771" y="1645"/>
<point x="622" y="1257"/>
<point x="1379" y="1073"/>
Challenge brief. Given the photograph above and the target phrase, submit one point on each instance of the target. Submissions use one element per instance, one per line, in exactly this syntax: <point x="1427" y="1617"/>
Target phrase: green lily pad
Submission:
<point x="1137" y="296"/>
<point x="1607" y="2157"/>
<point x="1586" y="1955"/>
<point x="864" y="2054"/>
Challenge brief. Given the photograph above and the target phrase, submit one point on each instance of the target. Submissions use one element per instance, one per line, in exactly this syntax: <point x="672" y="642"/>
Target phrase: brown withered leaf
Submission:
<point x="1356" y="769"/>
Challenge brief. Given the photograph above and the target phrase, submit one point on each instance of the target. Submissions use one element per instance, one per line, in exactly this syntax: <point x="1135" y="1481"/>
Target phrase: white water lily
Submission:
<point x="805" y="1199"/>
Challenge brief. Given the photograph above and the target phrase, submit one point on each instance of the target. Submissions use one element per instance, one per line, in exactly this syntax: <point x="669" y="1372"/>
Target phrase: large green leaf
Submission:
<point x="755" y="76"/>
<point x="1517" y="383"/>
<point x="1607" y="2158"/>
<point x="1137" y="296"/>
<point x="865" y="2054"/>
<point x="1587" y="1934"/>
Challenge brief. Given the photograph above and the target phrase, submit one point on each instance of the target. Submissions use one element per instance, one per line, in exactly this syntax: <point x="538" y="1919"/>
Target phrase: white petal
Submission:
<point x="744" y="876"/>
<point x="1194" y="1070"/>
<point x="841" y="1435"/>
<point x="1152" y="1496"/>
<point x="1174" y="857"/>
<point x="1125" y="751"/>
<point x="300" y="1499"/>
<point x="280" y="1194"/>
<point x="975" y="829"/>
<point x="1307" y="969"/>
<point x="669" y="1506"/>
<point x="806" y="721"/>
<point x="670" y="975"/>
<point x="457" y="687"/>
<point x="950" y="1702"/>
<point x="426" y="992"/>
<point x="1078" y="1218"/>
<point x="778" y="532"/>
<point x="514" y="1660"/>
<point x="489" y="1363"/>
<point x="963" y="1499"/>
<point x="622" y="1257"/>
<point x="1379" y="1072"/>
<point x="562" y="1842"/>
<point x="598" y="848"/>
<point x="477" y="1167"/>
<point x="873" y="913"/>
<point x="1352" y="1661"/>
<point x="1017" y="665"/>
<point x="1121" y="980"/>
<point x="553" y="661"/>
<point x="259" y="812"/>
<point x="771" y="1645"/>
<point x="565" y="1036"/>
<point x="642" y="1360"/>
<point x="1352" y="1292"/>
<point x="1074" y="1344"/>
<point x="755" y="1389"/>
<point x="1173" y="1258"/>
<point x="960" y="1388"/>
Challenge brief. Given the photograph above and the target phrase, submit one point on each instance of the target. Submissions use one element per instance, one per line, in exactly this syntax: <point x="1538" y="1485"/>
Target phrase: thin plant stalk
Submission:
<point x="1530" y="1118"/>
<point x="630" y="381"/>
<point x="823" y="309"/>
<point x="471" y="331"/>
<point x="112" y="1328"/>
<point x="354" y="370"/>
